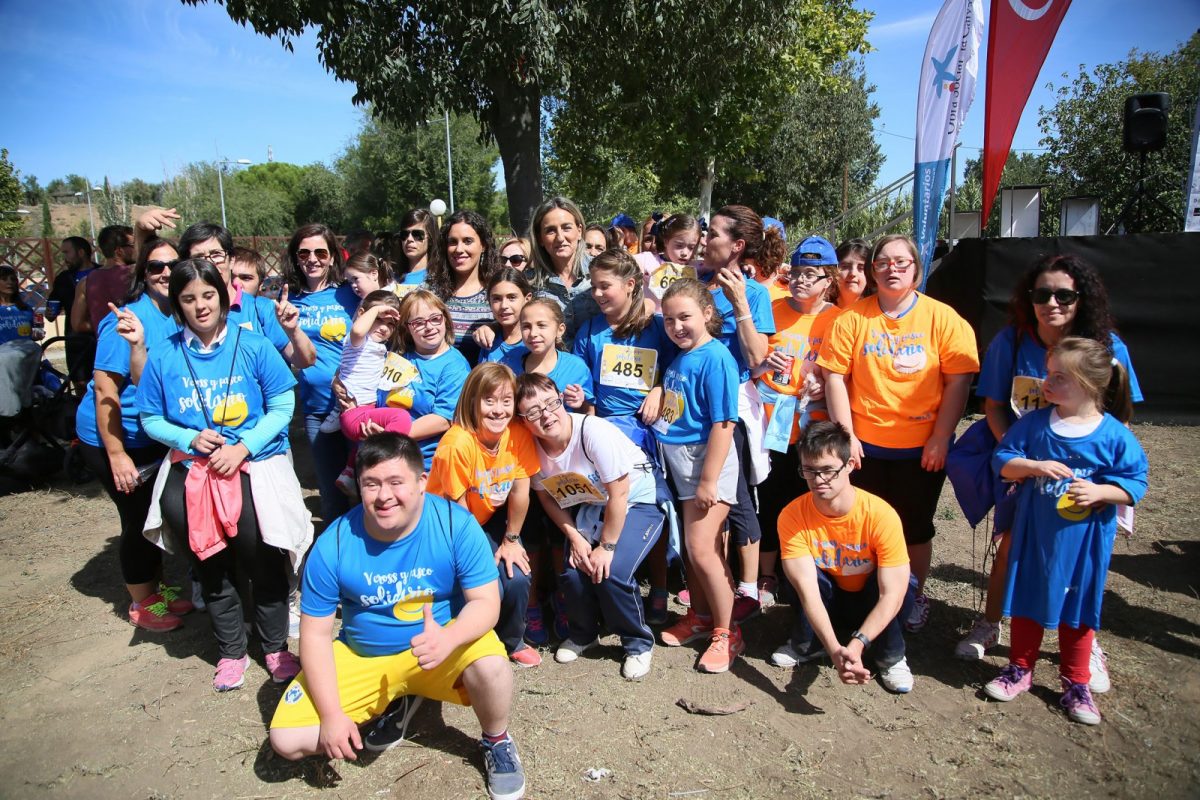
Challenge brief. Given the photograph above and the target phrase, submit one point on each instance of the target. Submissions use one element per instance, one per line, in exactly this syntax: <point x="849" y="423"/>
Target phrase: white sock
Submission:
<point x="749" y="589"/>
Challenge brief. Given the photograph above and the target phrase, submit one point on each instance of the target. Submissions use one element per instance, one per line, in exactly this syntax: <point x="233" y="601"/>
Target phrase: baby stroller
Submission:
<point x="37" y="441"/>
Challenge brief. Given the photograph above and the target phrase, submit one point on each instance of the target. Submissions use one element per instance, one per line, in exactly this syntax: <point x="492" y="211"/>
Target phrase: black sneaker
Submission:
<point x="505" y="775"/>
<point x="390" y="729"/>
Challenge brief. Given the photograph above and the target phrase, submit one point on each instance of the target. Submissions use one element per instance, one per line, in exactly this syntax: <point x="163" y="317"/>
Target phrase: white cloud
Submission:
<point x="901" y="28"/>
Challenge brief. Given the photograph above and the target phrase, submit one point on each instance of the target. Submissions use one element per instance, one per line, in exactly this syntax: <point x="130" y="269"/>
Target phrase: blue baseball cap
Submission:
<point x="623" y="221"/>
<point x="814" y="251"/>
<point x="771" y="221"/>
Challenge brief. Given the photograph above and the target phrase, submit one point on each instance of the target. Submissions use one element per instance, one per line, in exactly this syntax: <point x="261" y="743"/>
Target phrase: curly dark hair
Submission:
<point x="1093" y="319"/>
<point x="438" y="274"/>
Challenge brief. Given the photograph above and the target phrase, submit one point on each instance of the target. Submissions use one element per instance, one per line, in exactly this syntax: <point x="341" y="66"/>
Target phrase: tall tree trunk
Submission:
<point x="515" y="120"/>
<point x="706" y="188"/>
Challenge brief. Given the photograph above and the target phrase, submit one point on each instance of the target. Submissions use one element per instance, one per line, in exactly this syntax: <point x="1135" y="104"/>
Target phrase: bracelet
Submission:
<point x="512" y="538"/>
<point x="743" y="318"/>
<point x="609" y="546"/>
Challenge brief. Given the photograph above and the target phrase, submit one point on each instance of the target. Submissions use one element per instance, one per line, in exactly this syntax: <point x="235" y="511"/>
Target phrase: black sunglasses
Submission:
<point x="417" y="235"/>
<point x="1064" y="297"/>
<point x="516" y="260"/>
<point x="155" y="267"/>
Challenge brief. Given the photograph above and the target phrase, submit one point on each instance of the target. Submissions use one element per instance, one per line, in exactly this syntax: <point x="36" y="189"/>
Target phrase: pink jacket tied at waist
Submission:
<point x="214" y="504"/>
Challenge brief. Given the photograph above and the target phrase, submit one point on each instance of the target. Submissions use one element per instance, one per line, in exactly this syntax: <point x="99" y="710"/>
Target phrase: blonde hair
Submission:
<point x="698" y="292"/>
<point x="483" y="382"/>
<point x="518" y="240"/>
<point x="1093" y="367"/>
<point x="407" y="306"/>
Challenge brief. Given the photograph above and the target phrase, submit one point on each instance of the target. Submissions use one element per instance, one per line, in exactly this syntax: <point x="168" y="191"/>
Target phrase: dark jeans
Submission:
<point x="848" y="610"/>
<point x="141" y="560"/>
<point x="514" y="591"/>
<point x="743" y="519"/>
<point x="266" y="567"/>
<point x="330" y="452"/>
<point x="781" y="487"/>
<point x="617" y="597"/>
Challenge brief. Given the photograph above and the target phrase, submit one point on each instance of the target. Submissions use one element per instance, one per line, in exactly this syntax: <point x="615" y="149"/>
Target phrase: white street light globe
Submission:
<point x="437" y="207"/>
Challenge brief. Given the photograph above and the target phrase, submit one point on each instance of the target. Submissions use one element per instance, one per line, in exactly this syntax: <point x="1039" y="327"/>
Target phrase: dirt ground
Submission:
<point x="94" y="708"/>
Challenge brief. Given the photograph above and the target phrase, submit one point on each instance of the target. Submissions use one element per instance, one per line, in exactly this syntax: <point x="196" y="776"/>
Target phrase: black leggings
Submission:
<point x="141" y="560"/>
<point x="267" y="568"/>
<point x="781" y="487"/>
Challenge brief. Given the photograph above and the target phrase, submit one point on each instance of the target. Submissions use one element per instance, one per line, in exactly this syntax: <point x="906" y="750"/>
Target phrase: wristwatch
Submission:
<point x="512" y="538"/>
<point x="609" y="546"/>
<point x="862" y="637"/>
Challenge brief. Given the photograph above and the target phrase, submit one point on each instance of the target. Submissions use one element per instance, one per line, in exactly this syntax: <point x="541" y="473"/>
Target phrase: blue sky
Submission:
<point x="139" y="88"/>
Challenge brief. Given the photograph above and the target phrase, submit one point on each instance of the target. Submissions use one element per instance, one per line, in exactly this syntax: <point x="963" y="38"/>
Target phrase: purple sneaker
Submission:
<point x="1077" y="700"/>
<point x="1011" y="681"/>
<point x="535" y="627"/>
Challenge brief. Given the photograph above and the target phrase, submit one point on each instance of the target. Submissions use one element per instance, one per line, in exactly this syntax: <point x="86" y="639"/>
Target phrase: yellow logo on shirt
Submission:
<point x="410" y="610"/>
<point x="1068" y="510"/>
<point x="333" y="330"/>
<point x="231" y="412"/>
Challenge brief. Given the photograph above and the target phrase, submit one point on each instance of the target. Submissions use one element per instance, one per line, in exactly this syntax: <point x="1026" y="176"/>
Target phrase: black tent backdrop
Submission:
<point x="1153" y="283"/>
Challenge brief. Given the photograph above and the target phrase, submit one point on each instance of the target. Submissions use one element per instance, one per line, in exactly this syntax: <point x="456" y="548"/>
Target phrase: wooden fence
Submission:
<point x="38" y="260"/>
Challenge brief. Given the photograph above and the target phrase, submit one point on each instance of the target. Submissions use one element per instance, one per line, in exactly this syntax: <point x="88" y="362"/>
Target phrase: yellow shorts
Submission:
<point x="367" y="684"/>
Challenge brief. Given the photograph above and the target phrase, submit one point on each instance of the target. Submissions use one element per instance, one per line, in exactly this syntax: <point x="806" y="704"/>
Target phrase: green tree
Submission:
<point x="61" y="189"/>
<point x="1082" y="134"/>
<point x="11" y="195"/>
<point x="498" y="62"/>
<point x="278" y="177"/>
<point x="140" y="193"/>
<point x="47" y="222"/>
<point x="34" y="193"/>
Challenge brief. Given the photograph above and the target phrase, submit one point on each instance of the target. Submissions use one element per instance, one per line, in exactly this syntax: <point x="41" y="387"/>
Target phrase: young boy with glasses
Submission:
<point x="843" y="550"/>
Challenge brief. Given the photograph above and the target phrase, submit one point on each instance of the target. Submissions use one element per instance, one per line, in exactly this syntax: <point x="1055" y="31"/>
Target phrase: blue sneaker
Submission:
<point x="505" y="775"/>
<point x="535" y="627"/>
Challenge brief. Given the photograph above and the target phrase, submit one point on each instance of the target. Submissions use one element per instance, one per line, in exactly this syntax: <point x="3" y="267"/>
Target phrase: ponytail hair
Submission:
<point x="366" y="262"/>
<point x="1100" y="374"/>
<point x="743" y="223"/>
<point x="672" y="226"/>
<point x="698" y="292"/>
<point x="624" y="267"/>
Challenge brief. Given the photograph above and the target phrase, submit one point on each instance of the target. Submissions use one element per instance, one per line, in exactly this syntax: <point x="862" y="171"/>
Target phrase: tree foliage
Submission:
<point x="1082" y="134"/>
<point x="11" y="195"/>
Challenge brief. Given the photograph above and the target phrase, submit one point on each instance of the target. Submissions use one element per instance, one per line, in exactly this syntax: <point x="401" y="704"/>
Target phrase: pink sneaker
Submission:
<point x="526" y="657"/>
<point x="283" y="666"/>
<point x="685" y="598"/>
<point x="1011" y="682"/>
<point x="1077" y="700"/>
<point x="231" y="673"/>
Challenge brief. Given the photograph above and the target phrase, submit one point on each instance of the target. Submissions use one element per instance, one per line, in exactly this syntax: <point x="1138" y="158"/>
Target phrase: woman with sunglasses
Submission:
<point x="312" y="273"/>
<point x="1061" y="296"/>
<point x="515" y="253"/>
<point x="417" y="241"/>
<point x="112" y="440"/>
<point x="898" y="369"/>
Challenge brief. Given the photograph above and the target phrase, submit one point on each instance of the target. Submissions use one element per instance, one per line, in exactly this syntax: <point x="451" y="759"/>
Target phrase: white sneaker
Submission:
<point x="294" y="616"/>
<point x="788" y="656"/>
<point x="635" y="667"/>
<point x="897" y="678"/>
<point x="919" y="614"/>
<point x="332" y="422"/>
<point x="198" y="596"/>
<point x="1098" y="664"/>
<point x="346" y="483"/>
<point x="568" y="651"/>
<point x="982" y="637"/>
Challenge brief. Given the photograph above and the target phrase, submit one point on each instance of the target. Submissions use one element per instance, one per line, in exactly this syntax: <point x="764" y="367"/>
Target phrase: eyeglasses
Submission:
<point x="808" y="276"/>
<point x="516" y="260"/>
<point x="155" y="267"/>
<point x="432" y="321"/>
<point x="215" y="256"/>
<point x="320" y="254"/>
<point x="822" y="475"/>
<point x="535" y="413"/>
<point x="1064" y="297"/>
<point x="898" y="264"/>
<point x="417" y="235"/>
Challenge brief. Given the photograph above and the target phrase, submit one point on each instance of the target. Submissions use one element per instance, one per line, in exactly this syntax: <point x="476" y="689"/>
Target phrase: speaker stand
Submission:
<point x="1130" y="219"/>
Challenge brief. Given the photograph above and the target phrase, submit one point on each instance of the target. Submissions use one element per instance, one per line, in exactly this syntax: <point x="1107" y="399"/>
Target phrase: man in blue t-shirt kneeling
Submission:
<point x="419" y="593"/>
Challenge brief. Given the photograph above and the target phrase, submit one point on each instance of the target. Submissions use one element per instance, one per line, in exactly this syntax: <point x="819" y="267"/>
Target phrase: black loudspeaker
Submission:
<point x="1146" y="122"/>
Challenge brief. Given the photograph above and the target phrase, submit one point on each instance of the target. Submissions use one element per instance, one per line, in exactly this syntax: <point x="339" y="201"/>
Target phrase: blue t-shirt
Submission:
<point x="413" y="278"/>
<point x="761" y="315"/>
<point x="615" y="397"/>
<point x="569" y="369"/>
<point x="701" y="388"/>
<point x="257" y="314"/>
<point x="500" y="350"/>
<point x="112" y="355"/>
<point x="1059" y="556"/>
<point x="383" y="586"/>
<point x="15" y="323"/>
<point x="424" y="385"/>
<point x="231" y="386"/>
<point x="325" y="317"/>
<point x="1021" y="388"/>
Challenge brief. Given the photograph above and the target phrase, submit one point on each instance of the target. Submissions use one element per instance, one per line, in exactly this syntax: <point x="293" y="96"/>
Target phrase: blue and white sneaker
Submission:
<point x="391" y="729"/>
<point x="505" y="775"/>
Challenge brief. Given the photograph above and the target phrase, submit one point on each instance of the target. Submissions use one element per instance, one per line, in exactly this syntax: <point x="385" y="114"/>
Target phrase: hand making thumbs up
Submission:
<point x="432" y="645"/>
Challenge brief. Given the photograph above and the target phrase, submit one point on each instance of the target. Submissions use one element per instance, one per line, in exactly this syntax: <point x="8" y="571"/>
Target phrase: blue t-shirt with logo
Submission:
<point x="15" y="323"/>
<point x="325" y="317"/>
<point x="700" y="389"/>
<point x="424" y="385"/>
<point x="112" y="355"/>
<point x="568" y="370"/>
<point x="382" y="587"/>
<point x="257" y="314"/>
<point x="226" y="389"/>
<point x="590" y="341"/>
<point x="760" y="312"/>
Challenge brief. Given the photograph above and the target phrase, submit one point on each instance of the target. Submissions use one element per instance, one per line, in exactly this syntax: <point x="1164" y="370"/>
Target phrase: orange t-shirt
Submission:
<point x="462" y="467"/>
<point x="800" y="335"/>
<point x="777" y="290"/>
<point x="897" y="365"/>
<point x="848" y="548"/>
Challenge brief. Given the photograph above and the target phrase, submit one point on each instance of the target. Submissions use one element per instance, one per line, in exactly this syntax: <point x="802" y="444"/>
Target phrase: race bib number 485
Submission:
<point x="628" y="367"/>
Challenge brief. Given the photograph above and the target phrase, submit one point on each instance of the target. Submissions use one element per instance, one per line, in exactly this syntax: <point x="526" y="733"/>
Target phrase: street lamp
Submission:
<point x="221" y="183"/>
<point x="88" y="189"/>
<point x="437" y="208"/>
